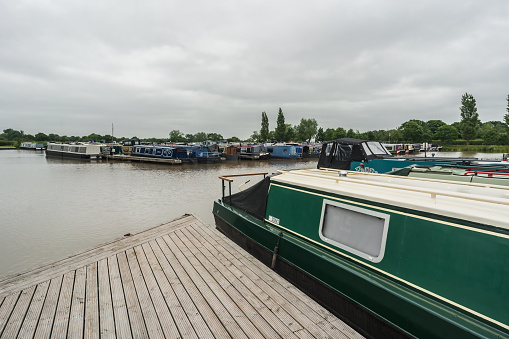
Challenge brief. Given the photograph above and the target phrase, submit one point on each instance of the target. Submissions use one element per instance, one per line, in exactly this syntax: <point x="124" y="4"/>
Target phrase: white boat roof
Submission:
<point x="481" y="203"/>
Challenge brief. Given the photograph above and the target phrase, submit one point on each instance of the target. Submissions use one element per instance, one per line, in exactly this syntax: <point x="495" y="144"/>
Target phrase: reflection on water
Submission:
<point x="52" y="208"/>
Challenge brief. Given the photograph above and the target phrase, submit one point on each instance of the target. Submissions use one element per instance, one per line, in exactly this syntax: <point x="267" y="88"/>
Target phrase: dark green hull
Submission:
<point x="371" y="298"/>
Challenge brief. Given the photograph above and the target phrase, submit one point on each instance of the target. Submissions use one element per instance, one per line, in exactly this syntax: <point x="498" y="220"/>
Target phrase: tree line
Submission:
<point x="10" y="135"/>
<point x="469" y="130"/>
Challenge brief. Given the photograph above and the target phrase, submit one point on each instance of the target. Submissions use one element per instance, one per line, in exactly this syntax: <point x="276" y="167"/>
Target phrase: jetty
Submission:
<point x="181" y="279"/>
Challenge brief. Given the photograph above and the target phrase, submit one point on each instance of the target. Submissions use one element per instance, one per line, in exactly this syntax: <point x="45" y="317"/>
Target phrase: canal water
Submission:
<point x="51" y="209"/>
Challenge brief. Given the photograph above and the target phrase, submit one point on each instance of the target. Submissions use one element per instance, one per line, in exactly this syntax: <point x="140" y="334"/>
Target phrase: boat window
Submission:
<point x="357" y="230"/>
<point x="377" y="148"/>
<point x="270" y="150"/>
<point x="147" y="150"/>
<point x="366" y="149"/>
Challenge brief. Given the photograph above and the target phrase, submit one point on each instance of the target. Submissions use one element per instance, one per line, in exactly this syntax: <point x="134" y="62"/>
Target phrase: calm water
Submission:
<point x="51" y="209"/>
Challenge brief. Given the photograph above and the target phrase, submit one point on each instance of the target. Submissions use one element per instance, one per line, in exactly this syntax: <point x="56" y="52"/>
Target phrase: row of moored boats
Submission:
<point x="206" y="152"/>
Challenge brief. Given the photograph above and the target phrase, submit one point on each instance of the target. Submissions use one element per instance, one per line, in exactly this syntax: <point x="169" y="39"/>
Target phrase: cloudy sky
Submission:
<point x="75" y="67"/>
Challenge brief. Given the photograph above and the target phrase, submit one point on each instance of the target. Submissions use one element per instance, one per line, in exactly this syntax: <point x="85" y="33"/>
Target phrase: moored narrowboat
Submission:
<point x="372" y="156"/>
<point x="154" y="151"/>
<point x="78" y="151"/>
<point x="287" y="151"/>
<point x="253" y="152"/>
<point x="32" y="145"/>
<point x="394" y="256"/>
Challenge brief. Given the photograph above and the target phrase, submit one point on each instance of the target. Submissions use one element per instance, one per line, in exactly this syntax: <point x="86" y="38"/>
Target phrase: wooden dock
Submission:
<point x="182" y="279"/>
<point x="122" y="157"/>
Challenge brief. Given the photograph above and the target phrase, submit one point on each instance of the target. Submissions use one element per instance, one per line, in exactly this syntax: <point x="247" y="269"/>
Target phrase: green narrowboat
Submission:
<point x="393" y="256"/>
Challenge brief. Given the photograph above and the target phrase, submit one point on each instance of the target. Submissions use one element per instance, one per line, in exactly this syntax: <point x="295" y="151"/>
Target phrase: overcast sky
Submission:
<point x="75" y="67"/>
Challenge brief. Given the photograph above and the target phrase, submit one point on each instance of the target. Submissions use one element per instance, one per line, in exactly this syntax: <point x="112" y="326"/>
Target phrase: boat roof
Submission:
<point x="481" y="203"/>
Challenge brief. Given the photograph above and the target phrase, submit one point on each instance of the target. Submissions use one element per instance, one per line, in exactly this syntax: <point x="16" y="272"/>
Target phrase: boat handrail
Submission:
<point x="490" y="174"/>
<point x="431" y="192"/>
<point x="485" y="185"/>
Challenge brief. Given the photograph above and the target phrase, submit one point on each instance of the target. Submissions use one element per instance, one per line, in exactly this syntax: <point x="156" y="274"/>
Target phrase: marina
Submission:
<point x="182" y="279"/>
<point x="86" y="204"/>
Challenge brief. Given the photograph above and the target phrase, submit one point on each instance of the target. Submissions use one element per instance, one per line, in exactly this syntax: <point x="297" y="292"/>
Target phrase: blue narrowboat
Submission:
<point x="155" y="151"/>
<point x="253" y="152"/>
<point x="283" y="151"/>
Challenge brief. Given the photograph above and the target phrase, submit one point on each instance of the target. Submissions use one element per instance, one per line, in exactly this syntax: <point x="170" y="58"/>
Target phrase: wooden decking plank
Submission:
<point x="166" y="320"/>
<point x="276" y="316"/>
<point x="18" y="313"/>
<point x="138" y="327"/>
<point x="237" y="267"/>
<point x="91" y="303"/>
<point x="182" y="322"/>
<point x="269" y="324"/>
<point x="122" y="326"/>
<point x="279" y="291"/>
<point x="295" y="302"/>
<point x="61" y="321"/>
<point x="231" y="305"/>
<point x="18" y="282"/>
<point x="49" y="308"/>
<point x="196" y="306"/>
<point x="34" y="311"/>
<point x="6" y="309"/>
<point x="147" y="307"/>
<point x="228" y="322"/>
<point x="77" y="305"/>
<point x="106" y="320"/>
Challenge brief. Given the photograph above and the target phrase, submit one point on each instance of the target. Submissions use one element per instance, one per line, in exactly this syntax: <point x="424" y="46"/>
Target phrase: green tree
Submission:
<point x="490" y="137"/>
<point x="306" y="130"/>
<point x="272" y="136"/>
<point x="177" y="136"/>
<point x="255" y="136"/>
<point x="330" y="134"/>
<point x="93" y="136"/>
<point x="446" y="133"/>
<point x="200" y="136"/>
<point x="351" y="134"/>
<point x="264" y="131"/>
<point x="233" y="139"/>
<point x="320" y="135"/>
<point x="290" y="133"/>
<point x="214" y="136"/>
<point x="339" y="133"/>
<point x="12" y="134"/>
<point x="469" y="118"/>
<point x="434" y="125"/>
<point x="41" y="137"/>
<point x="280" y="131"/>
<point x="412" y="131"/>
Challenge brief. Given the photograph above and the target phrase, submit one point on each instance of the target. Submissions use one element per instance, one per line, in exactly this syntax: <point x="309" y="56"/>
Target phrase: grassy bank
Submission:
<point x="477" y="148"/>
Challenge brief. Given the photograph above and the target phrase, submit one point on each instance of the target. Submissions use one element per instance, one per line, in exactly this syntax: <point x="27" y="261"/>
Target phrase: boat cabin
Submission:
<point x="340" y="153"/>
